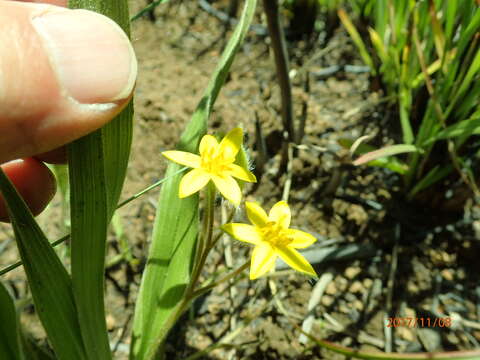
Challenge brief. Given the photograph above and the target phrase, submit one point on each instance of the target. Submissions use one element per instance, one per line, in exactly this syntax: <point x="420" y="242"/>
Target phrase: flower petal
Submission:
<point x="229" y="188"/>
<point x="183" y="158"/>
<point x="256" y="214"/>
<point x="300" y="239"/>
<point x="280" y="213"/>
<point x="241" y="173"/>
<point x="295" y="260"/>
<point x="192" y="182"/>
<point x="207" y="144"/>
<point x="263" y="260"/>
<point x="231" y="143"/>
<point x="243" y="232"/>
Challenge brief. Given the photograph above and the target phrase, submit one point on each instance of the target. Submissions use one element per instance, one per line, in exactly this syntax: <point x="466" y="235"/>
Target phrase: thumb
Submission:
<point x="63" y="74"/>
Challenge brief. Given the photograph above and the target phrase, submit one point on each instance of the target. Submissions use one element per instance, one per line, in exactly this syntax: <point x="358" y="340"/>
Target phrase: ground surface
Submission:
<point x="386" y="258"/>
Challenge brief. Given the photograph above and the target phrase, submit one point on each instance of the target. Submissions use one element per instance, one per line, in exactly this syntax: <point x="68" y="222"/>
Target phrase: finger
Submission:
<point x="33" y="180"/>
<point x="57" y="156"/>
<point x="51" y="2"/>
<point x="63" y="74"/>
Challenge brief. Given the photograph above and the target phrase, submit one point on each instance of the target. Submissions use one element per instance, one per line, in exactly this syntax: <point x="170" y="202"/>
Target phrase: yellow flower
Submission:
<point x="272" y="237"/>
<point x="216" y="163"/>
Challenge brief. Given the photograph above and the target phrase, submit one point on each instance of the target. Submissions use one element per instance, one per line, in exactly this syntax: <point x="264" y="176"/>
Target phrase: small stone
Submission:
<point x="447" y="274"/>
<point x="409" y="312"/>
<point x="342" y="284"/>
<point x="476" y="334"/>
<point x="356" y="287"/>
<point x="111" y="322"/>
<point x="352" y="271"/>
<point x="412" y="287"/>
<point x="357" y="304"/>
<point x="331" y="289"/>
<point x="344" y="309"/>
<point x="327" y="300"/>
<point x="367" y="283"/>
<point x="405" y="333"/>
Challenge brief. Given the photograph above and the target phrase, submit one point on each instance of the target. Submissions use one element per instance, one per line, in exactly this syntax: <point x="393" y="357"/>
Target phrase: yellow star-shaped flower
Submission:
<point x="272" y="237"/>
<point x="216" y="163"/>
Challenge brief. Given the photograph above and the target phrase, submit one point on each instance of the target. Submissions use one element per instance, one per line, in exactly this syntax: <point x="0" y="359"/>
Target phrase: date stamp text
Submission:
<point x="418" y="322"/>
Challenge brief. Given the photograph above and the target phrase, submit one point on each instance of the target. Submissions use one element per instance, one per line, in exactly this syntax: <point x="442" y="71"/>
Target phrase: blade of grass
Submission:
<point x="462" y="128"/>
<point x="433" y="176"/>
<point x="391" y="163"/>
<point x="384" y="152"/>
<point x="175" y="231"/>
<point x="48" y="279"/>
<point x="97" y="165"/>
<point x="356" y="38"/>
<point x="145" y="10"/>
<point x="9" y="331"/>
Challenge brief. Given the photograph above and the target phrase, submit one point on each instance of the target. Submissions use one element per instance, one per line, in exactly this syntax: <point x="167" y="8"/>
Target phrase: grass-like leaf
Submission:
<point x="384" y="152"/>
<point x="97" y="165"/>
<point x="170" y="260"/>
<point x="389" y="162"/>
<point x="356" y="38"/>
<point x="368" y="355"/>
<point x="49" y="281"/>
<point x="10" y="347"/>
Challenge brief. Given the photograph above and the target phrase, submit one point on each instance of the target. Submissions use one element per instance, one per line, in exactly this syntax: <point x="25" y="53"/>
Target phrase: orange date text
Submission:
<point x="418" y="322"/>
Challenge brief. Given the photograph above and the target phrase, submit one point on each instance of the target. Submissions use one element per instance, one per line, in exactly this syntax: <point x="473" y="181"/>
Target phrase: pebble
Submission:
<point x="447" y="274"/>
<point x="331" y="289"/>
<point x="356" y="287"/>
<point x="111" y="322"/>
<point x="405" y="333"/>
<point x="357" y="304"/>
<point x="352" y="271"/>
<point x="367" y="283"/>
<point x="327" y="300"/>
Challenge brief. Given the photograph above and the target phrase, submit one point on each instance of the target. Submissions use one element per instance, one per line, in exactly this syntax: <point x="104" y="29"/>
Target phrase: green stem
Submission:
<point x="207" y="288"/>
<point x="205" y="239"/>
<point x="204" y="245"/>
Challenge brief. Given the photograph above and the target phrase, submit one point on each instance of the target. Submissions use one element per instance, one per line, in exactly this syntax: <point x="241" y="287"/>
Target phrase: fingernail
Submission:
<point x="90" y="53"/>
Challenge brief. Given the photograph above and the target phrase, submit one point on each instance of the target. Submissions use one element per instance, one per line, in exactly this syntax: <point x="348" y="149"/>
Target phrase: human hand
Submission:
<point x="63" y="74"/>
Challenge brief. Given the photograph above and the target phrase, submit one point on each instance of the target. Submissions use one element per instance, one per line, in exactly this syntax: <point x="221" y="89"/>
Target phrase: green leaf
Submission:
<point x="146" y="9"/>
<point x="357" y="39"/>
<point x="48" y="279"/>
<point x="463" y="128"/>
<point x="9" y="331"/>
<point x="97" y="165"/>
<point x="384" y="152"/>
<point x="433" y="176"/>
<point x="388" y="162"/>
<point x="171" y="255"/>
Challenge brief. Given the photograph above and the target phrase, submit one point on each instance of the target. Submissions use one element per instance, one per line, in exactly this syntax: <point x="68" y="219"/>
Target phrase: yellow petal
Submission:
<point x="207" y="144"/>
<point x="243" y="232"/>
<point x="295" y="260"/>
<point x="300" y="239"/>
<point x="229" y="188"/>
<point x="263" y="260"/>
<point x="256" y="214"/>
<point x="192" y="182"/>
<point x="241" y="173"/>
<point x="231" y="143"/>
<point x="183" y="158"/>
<point x="280" y="213"/>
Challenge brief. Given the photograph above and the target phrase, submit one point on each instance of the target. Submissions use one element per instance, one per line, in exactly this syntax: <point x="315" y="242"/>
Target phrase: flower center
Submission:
<point x="275" y="235"/>
<point x="213" y="163"/>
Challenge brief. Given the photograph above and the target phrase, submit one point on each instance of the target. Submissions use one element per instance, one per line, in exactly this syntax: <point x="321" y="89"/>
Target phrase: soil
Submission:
<point x="404" y="259"/>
